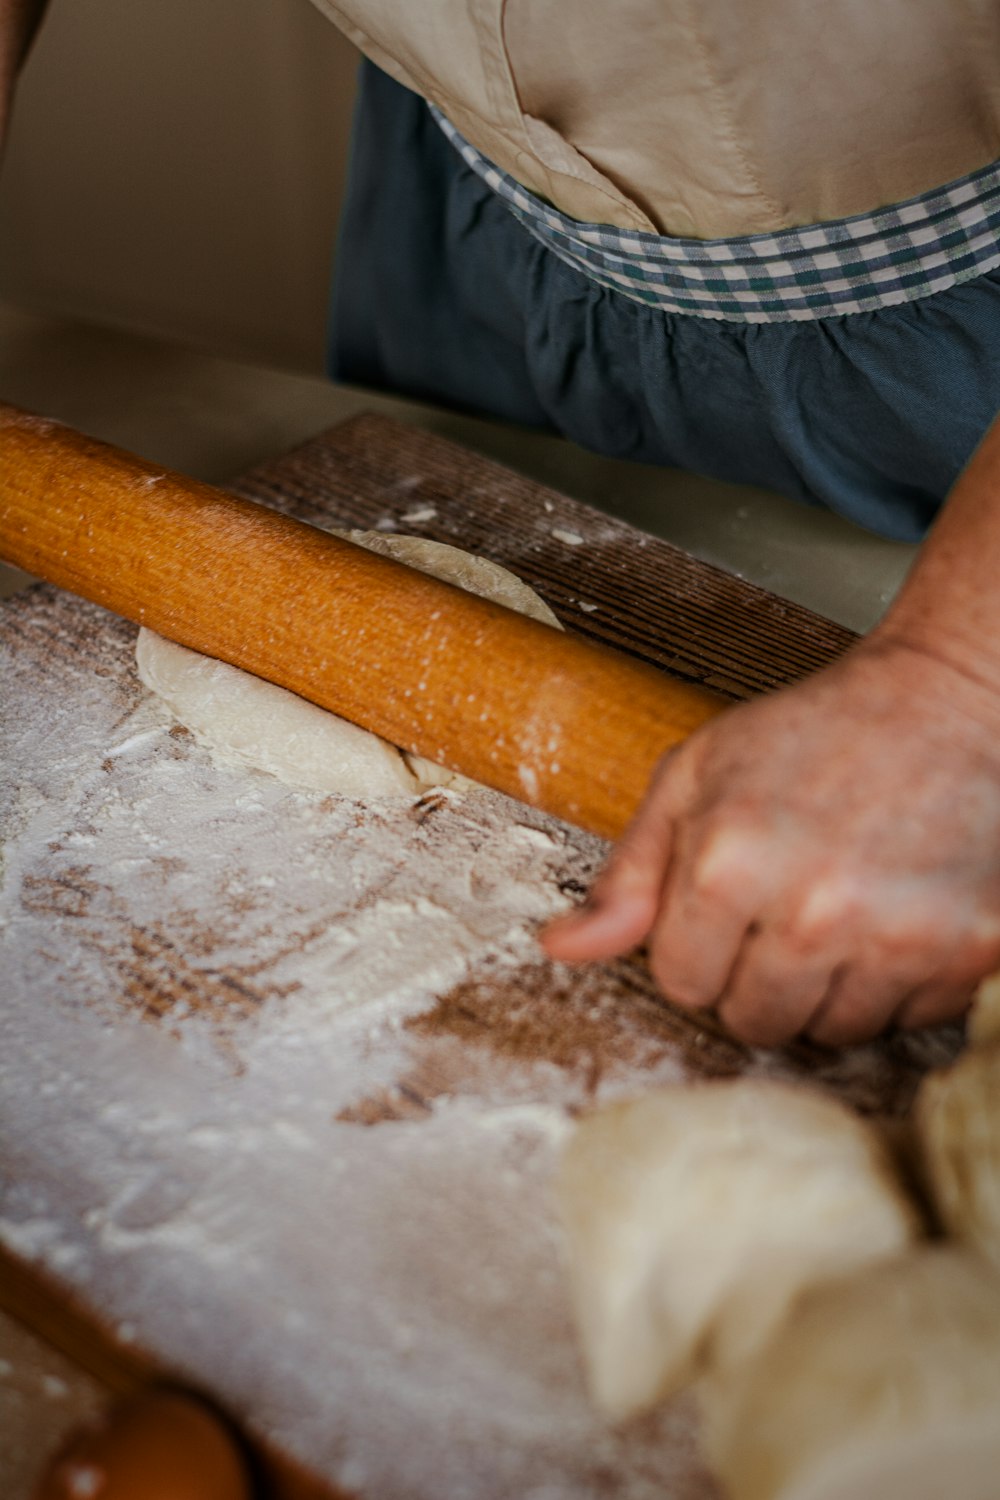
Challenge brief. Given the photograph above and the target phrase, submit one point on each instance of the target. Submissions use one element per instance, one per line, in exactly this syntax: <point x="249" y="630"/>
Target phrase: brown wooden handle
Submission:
<point x="569" y="726"/>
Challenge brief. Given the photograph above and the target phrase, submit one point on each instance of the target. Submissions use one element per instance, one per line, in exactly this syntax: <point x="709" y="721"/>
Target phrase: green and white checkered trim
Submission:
<point x="894" y="255"/>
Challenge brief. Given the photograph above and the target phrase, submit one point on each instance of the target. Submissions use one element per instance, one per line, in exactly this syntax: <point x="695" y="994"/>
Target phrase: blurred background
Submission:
<point x="175" y="168"/>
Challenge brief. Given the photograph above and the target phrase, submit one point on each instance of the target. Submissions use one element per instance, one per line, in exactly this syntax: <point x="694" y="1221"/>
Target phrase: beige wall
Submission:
<point x="176" y="166"/>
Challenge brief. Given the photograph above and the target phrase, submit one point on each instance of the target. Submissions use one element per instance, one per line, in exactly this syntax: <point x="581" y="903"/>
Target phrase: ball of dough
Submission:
<point x="984" y="1018"/>
<point x="880" y="1386"/>
<point x="696" y="1214"/>
<point x="256" y="724"/>
<point x="958" y="1123"/>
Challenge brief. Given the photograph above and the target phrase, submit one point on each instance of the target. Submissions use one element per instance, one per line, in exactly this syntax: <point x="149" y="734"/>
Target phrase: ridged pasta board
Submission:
<point x="283" y="1076"/>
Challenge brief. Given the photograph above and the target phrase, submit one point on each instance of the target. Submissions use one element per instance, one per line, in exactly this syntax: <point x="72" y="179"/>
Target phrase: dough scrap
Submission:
<point x="984" y="1018"/>
<point x="696" y="1214"/>
<point x="881" y="1386"/>
<point x="256" y="724"/>
<point x="958" y="1123"/>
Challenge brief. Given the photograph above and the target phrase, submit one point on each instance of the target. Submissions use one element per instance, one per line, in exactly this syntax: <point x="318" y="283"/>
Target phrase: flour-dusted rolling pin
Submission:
<point x="566" y="725"/>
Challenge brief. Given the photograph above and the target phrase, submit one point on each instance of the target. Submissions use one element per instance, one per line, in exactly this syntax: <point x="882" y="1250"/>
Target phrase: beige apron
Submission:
<point x="704" y="118"/>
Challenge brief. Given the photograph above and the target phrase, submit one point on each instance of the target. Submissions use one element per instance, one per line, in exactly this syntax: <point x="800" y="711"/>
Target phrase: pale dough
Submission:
<point x="958" y="1122"/>
<point x="695" y="1216"/>
<point x="882" y="1386"/>
<point x="250" y="721"/>
<point x="984" y="1018"/>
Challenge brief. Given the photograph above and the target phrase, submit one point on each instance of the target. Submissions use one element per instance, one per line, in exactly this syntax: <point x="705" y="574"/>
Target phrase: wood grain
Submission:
<point x="622" y="587"/>
<point x="562" y="723"/>
<point x="525" y="1034"/>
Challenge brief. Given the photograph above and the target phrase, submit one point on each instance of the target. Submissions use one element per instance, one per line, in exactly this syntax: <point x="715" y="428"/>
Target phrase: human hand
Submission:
<point x="824" y="860"/>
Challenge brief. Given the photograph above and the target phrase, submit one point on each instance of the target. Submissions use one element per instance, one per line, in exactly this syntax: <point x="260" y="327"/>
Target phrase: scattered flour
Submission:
<point x="204" y="973"/>
<point x="203" y="970"/>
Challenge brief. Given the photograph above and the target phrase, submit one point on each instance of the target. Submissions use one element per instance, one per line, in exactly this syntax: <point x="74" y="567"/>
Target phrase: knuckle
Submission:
<point x="942" y="930"/>
<point x="831" y="905"/>
<point x="805" y="940"/>
<point x="727" y="860"/>
<point x="917" y="952"/>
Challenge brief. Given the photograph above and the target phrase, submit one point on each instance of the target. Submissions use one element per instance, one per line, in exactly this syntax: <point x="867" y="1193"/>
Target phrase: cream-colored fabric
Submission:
<point x="704" y="118"/>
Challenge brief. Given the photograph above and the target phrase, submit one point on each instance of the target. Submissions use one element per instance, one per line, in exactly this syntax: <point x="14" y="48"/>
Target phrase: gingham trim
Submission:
<point x="894" y="255"/>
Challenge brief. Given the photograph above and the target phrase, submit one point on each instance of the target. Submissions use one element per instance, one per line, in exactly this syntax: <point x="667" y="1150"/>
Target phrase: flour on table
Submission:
<point x="270" y="729"/>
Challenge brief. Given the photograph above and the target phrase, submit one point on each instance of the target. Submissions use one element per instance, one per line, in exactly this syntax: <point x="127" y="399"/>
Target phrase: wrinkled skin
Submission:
<point x="825" y="860"/>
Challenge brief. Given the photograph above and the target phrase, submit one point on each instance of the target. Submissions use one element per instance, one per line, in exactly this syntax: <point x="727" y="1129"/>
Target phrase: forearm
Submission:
<point x="949" y="606"/>
<point x="19" y="20"/>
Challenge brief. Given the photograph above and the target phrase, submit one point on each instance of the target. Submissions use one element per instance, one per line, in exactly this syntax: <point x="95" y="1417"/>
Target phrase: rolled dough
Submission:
<point x="984" y="1018"/>
<point x="880" y="1386"/>
<point x="244" y="719"/>
<point x="696" y="1215"/>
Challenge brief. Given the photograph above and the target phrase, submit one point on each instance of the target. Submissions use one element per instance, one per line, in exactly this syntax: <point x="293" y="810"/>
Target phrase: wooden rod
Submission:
<point x="559" y="722"/>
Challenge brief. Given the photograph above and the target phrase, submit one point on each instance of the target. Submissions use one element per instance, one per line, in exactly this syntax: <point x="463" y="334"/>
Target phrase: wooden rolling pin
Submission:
<point x="566" y="725"/>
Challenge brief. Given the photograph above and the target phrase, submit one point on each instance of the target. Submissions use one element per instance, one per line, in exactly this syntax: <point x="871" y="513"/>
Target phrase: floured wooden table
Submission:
<point x="283" y="1077"/>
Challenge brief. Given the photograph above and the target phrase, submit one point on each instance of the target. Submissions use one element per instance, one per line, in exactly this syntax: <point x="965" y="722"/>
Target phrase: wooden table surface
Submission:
<point x="176" y="1046"/>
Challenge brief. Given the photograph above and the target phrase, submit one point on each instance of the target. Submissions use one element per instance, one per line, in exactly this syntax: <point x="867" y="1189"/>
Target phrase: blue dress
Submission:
<point x="443" y="294"/>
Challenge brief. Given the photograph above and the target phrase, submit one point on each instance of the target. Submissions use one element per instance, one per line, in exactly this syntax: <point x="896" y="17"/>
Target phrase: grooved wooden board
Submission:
<point x="652" y="600"/>
<point x="170" y="999"/>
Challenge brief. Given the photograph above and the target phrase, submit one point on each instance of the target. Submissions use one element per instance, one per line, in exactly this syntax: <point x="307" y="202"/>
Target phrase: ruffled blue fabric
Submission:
<point x="440" y="294"/>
